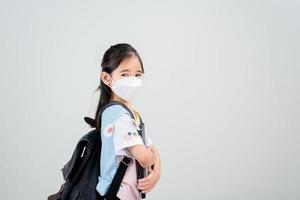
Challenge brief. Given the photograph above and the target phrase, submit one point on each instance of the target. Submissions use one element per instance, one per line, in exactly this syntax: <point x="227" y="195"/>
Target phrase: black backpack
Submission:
<point x="81" y="172"/>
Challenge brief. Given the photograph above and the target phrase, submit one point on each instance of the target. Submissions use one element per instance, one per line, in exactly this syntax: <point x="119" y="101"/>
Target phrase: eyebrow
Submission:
<point x="126" y="70"/>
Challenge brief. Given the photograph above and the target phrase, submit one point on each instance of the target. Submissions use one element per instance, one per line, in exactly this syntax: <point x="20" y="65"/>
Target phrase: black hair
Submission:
<point x="110" y="61"/>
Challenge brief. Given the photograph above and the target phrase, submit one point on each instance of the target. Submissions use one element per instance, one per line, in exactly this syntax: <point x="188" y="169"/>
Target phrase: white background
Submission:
<point x="220" y="99"/>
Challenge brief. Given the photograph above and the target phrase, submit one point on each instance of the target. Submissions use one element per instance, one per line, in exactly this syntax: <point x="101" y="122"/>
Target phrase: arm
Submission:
<point x="148" y="183"/>
<point x="145" y="156"/>
<point x="157" y="164"/>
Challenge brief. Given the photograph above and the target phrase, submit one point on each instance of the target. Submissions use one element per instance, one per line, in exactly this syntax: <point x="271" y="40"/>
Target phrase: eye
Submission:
<point x="124" y="75"/>
<point x="138" y="75"/>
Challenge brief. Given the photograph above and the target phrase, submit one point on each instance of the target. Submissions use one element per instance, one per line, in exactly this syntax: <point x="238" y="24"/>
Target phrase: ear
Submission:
<point x="105" y="79"/>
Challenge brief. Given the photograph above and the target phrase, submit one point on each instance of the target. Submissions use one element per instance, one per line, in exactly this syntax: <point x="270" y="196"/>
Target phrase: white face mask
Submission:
<point x="127" y="87"/>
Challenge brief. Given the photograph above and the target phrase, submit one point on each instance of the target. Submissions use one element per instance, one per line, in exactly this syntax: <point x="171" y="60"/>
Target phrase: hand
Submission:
<point x="147" y="184"/>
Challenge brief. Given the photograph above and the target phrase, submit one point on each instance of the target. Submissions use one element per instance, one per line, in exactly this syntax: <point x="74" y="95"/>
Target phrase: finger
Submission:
<point x="148" y="190"/>
<point x="145" y="180"/>
<point x="143" y="184"/>
<point x="143" y="187"/>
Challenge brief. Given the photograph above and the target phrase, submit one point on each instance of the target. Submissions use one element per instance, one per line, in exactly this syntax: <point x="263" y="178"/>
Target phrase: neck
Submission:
<point x="117" y="98"/>
<point x="127" y="103"/>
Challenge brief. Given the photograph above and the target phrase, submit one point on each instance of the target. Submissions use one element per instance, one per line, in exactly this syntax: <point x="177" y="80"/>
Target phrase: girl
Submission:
<point x="121" y="77"/>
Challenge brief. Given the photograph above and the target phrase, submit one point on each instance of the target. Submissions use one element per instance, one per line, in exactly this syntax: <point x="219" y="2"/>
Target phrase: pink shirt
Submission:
<point x="128" y="189"/>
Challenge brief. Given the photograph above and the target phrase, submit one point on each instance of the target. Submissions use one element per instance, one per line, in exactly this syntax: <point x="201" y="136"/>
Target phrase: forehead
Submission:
<point x="131" y="64"/>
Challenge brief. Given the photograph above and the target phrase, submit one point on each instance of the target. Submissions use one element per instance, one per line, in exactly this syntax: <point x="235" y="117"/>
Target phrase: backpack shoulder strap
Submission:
<point x="92" y="122"/>
<point x="122" y="104"/>
<point x="116" y="182"/>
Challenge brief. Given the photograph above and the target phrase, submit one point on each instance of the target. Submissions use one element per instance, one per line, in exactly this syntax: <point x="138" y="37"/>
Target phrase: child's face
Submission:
<point x="128" y="67"/>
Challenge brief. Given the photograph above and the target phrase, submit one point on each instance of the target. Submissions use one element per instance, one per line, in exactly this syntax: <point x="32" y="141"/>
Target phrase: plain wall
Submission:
<point x="220" y="99"/>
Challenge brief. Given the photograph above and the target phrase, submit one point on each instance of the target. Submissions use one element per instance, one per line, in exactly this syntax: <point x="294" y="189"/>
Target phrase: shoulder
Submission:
<point x="113" y="113"/>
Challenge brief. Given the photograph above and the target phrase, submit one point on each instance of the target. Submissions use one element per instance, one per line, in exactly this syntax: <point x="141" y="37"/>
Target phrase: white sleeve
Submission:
<point x="125" y="135"/>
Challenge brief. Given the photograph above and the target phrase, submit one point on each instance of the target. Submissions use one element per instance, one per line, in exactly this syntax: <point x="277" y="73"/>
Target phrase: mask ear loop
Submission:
<point x="113" y="81"/>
